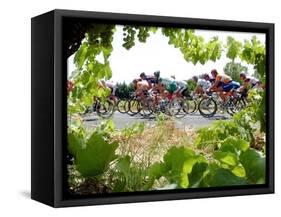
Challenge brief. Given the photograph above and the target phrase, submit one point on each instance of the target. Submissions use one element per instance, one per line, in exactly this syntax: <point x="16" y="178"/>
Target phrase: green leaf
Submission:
<point x="234" y="48"/>
<point x="226" y="157"/>
<point x="178" y="162"/>
<point x="85" y="77"/>
<point x="107" y="52"/>
<point x="206" y="136"/>
<point x="107" y="72"/>
<point x="155" y="171"/>
<point x="254" y="164"/>
<point x="234" y="145"/>
<point x="187" y="168"/>
<point x="223" y="177"/>
<point x="153" y="29"/>
<point x="197" y="174"/>
<point x="75" y="142"/>
<point x="239" y="171"/>
<point x="88" y="100"/>
<point x="91" y="67"/>
<point x="80" y="55"/>
<point x="96" y="157"/>
<point x="123" y="165"/>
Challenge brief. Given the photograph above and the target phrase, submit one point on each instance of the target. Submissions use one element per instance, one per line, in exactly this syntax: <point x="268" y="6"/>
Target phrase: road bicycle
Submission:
<point x="103" y="107"/>
<point x="210" y="103"/>
<point x="192" y="103"/>
<point x="171" y="104"/>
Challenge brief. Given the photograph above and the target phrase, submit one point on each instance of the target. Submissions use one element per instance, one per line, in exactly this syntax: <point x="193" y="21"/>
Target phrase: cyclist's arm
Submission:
<point x="215" y="84"/>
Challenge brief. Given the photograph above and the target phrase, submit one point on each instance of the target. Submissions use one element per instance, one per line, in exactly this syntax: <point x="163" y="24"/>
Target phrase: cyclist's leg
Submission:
<point x="220" y="91"/>
<point x="199" y="90"/>
<point x="226" y="88"/>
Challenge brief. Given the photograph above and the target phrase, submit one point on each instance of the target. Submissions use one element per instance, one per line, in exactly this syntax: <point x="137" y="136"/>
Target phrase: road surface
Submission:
<point x="122" y="120"/>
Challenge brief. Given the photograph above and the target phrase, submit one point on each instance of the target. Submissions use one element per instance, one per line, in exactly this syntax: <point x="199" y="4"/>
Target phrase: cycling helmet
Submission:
<point x="142" y="75"/>
<point x="243" y="75"/>
<point x="157" y="74"/>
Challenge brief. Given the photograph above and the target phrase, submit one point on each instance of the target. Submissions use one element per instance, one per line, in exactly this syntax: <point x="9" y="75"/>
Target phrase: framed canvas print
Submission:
<point x="134" y="108"/>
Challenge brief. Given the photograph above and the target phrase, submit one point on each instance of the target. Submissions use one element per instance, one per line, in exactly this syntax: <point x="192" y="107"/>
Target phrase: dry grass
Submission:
<point x="152" y="143"/>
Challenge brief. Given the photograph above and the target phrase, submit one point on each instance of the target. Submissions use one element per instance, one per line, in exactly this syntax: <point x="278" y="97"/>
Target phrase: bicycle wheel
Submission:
<point x="134" y="106"/>
<point x="177" y="108"/>
<point x="207" y="107"/>
<point x="231" y="108"/>
<point x="145" y="109"/>
<point x="235" y="107"/>
<point x="191" y="106"/>
<point x="105" y="109"/>
<point x="240" y="104"/>
<point x="122" y="106"/>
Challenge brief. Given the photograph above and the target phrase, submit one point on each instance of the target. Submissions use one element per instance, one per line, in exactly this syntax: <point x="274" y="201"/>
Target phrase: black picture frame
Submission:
<point x="48" y="109"/>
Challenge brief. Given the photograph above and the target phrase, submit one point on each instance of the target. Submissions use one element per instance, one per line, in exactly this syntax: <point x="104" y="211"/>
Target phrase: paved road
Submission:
<point x="122" y="120"/>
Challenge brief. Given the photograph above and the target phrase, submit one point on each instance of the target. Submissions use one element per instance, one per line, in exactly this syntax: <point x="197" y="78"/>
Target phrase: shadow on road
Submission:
<point x="90" y="119"/>
<point x="221" y="117"/>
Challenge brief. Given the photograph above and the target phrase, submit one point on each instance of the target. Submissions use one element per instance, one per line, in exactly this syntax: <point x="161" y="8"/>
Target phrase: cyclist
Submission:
<point x="158" y="86"/>
<point x="113" y="87"/>
<point x="151" y="79"/>
<point x="207" y="77"/>
<point x="202" y="85"/>
<point x="141" y="87"/>
<point x="223" y="84"/>
<point x="108" y="85"/>
<point x="156" y="76"/>
<point x="170" y="86"/>
<point x="249" y="82"/>
<point x="182" y="89"/>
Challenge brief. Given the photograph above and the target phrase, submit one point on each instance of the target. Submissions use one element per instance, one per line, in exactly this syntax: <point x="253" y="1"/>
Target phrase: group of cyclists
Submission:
<point x="164" y="87"/>
<point x="158" y="88"/>
<point x="152" y="90"/>
<point x="223" y="84"/>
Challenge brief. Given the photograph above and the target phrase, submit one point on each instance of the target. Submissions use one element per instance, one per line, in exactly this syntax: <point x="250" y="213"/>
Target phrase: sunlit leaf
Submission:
<point x="254" y="164"/>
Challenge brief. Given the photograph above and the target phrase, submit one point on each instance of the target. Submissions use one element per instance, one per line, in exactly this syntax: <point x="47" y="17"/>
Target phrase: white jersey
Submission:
<point x="181" y="84"/>
<point x="204" y="84"/>
<point x="112" y="86"/>
<point x="251" y="80"/>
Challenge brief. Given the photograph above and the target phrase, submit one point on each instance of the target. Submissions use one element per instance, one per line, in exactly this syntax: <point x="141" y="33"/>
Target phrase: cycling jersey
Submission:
<point x="204" y="84"/>
<point x="252" y="81"/>
<point x="223" y="78"/>
<point x="170" y="85"/>
<point x="183" y="88"/>
<point x="181" y="84"/>
<point x="112" y="86"/>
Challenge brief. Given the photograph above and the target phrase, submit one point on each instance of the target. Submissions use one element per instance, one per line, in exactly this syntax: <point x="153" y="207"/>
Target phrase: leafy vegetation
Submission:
<point x="234" y="69"/>
<point x="161" y="156"/>
<point x="193" y="47"/>
<point x="191" y="85"/>
<point x="143" y="157"/>
<point x="124" y="90"/>
<point x="233" y="48"/>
